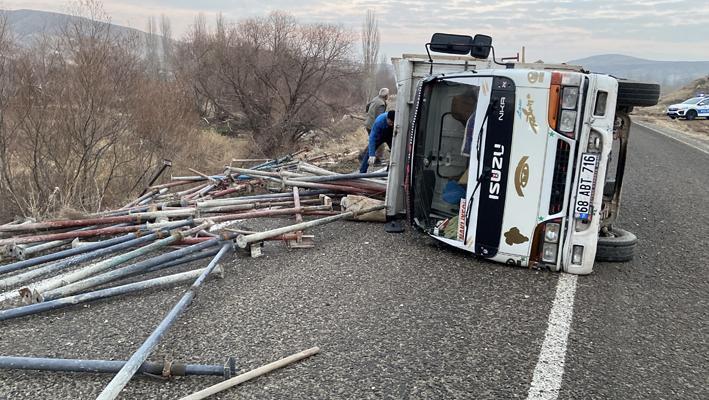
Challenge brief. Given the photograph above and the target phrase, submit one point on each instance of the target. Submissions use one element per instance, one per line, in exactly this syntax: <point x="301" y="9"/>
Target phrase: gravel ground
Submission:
<point x="397" y="316"/>
<point x="424" y="322"/>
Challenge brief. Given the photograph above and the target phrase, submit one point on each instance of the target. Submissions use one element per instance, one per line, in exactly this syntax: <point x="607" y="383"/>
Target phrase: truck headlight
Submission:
<point x="567" y="121"/>
<point x="549" y="253"/>
<point x="569" y="97"/>
<point x="551" y="232"/>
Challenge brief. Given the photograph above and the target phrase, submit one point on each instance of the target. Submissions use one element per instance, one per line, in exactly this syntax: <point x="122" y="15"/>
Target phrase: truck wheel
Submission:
<point x="639" y="94"/>
<point x="617" y="247"/>
<point x="691" y="114"/>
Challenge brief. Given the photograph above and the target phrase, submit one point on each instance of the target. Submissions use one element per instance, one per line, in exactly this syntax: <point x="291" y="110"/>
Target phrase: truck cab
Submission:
<point x="508" y="161"/>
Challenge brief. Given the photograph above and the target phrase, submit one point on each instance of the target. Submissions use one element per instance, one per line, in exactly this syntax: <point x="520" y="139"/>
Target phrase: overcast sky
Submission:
<point x="552" y="30"/>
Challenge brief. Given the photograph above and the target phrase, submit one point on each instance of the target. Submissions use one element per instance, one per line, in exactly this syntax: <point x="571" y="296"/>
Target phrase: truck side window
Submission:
<point x="600" y="108"/>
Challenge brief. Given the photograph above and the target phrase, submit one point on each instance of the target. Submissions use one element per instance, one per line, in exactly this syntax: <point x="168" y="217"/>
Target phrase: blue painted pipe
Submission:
<point x="123" y="376"/>
<point x="184" y="260"/>
<point x="99" y="250"/>
<point x="64" y="253"/>
<point x="104" y="366"/>
<point x="96" y="295"/>
<point x="79" y="250"/>
<point x="129" y="270"/>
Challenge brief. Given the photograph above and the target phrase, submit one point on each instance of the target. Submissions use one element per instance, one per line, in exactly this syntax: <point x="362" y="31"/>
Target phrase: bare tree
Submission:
<point x="370" y="52"/>
<point x="152" y="57"/>
<point x="166" y="41"/>
<point x="271" y="77"/>
<point x="81" y="119"/>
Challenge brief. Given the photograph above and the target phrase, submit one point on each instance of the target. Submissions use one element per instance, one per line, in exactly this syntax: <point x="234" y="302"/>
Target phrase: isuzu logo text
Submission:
<point x="496" y="174"/>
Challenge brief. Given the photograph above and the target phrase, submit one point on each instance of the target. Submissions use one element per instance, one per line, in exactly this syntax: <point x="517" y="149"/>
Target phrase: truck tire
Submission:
<point x="691" y="114"/>
<point x="616" y="248"/>
<point x="638" y="94"/>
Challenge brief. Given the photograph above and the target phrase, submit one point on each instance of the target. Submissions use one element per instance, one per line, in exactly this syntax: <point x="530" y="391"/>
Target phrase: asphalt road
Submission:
<point x="397" y="316"/>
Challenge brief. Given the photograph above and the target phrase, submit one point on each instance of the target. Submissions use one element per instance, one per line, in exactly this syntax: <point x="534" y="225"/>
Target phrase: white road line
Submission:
<point x="549" y="371"/>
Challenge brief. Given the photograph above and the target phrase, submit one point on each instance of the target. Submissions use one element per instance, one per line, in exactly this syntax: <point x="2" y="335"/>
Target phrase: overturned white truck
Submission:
<point x="516" y="163"/>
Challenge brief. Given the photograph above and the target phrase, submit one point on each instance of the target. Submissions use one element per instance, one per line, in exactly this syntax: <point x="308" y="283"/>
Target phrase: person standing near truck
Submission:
<point x="375" y="108"/>
<point x="382" y="132"/>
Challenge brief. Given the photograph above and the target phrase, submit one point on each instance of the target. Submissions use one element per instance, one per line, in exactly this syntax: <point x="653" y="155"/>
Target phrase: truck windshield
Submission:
<point x="443" y="137"/>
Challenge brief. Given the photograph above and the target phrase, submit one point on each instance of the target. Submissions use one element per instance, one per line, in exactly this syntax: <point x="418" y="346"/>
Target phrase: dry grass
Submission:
<point x="208" y="151"/>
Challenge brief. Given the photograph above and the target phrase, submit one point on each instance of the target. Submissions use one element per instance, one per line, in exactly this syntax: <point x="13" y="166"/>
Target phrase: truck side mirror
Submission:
<point x="481" y="46"/>
<point x="451" y="44"/>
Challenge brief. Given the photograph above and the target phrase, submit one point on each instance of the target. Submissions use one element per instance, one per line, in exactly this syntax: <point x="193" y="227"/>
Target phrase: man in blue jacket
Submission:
<point x="382" y="132"/>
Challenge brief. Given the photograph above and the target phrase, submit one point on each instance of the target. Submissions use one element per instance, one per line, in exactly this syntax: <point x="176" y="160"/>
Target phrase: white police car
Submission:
<point x="690" y="109"/>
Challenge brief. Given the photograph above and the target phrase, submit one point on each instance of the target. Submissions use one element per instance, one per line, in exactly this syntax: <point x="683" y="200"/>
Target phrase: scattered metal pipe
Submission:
<point x="329" y="178"/>
<point x="87" y="249"/>
<point x="35" y="293"/>
<point x="266" y="213"/>
<point x="71" y="223"/>
<point x="23" y="252"/>
<point x="119" y="381"/>
<point x="259" y="197"/>
<point x="89" y="278"/>
<point x="314" y="169"/>
<point x="171" y="184"/>
<point x="332" y="187"/>
<point x="195" y="240"/>
<point x="73" y="234"/>
<point x="243" y="241"/>
<point x="165" y="165"/>
<point x="199" y="177"/>
<point x="160" y="282"/>
<point x="165" y="369"/>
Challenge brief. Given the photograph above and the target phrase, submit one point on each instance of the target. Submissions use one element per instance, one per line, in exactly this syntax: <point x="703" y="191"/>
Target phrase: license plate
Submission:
<point x="587" y="182"/>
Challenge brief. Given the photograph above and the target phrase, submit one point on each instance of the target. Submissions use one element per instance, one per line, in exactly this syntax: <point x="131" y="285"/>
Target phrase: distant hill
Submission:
<point x="670" y="75"/>
<point x="28" y="26"/>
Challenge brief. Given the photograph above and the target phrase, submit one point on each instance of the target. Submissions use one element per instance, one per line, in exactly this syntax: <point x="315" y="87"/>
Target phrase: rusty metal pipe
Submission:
<point x="71" y="223"/>
<point x="73" y="234"/>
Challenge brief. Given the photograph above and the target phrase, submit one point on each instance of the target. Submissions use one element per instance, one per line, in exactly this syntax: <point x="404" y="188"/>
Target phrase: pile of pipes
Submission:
<point x="61" y="263"/>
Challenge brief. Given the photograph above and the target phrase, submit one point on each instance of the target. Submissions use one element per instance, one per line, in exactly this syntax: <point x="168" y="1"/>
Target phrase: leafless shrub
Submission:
<point x="272" y="77"/>
<point x="82" y="119"/>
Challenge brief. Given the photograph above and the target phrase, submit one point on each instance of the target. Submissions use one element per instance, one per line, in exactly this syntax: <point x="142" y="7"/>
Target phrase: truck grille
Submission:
<point x="558" y="184"/>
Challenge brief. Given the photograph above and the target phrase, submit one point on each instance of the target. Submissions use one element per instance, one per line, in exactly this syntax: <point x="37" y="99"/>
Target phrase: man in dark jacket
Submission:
<point x="382" y="132"/>
<point x="375" y="108"/>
